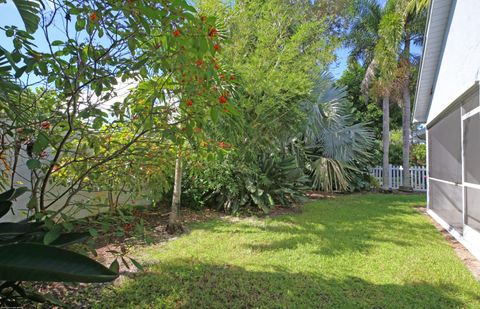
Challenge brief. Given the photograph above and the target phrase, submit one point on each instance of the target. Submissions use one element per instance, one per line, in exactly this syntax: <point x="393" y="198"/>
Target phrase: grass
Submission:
<point x="356" y="251"/>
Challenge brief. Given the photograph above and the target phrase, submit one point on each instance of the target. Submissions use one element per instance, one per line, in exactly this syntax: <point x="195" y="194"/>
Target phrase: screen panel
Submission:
<point x="470" y="103"/>
<point x="471" y="140"/>
<point x="446" y="201"/>
<point x="445" y="148"/>
<point x="473" y="208"/>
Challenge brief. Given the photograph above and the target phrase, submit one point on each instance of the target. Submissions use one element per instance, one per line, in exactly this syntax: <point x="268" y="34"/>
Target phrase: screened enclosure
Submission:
<point x="454" y="163"/>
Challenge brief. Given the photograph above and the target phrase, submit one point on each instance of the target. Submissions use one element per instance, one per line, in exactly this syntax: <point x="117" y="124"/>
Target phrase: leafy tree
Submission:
<point x="391" y="28"/>
<point x="102" y="45"/>
<point x="75" y="124"/>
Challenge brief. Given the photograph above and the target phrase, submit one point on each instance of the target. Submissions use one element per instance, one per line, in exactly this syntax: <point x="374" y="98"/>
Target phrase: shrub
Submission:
<point x="231" y="185"/>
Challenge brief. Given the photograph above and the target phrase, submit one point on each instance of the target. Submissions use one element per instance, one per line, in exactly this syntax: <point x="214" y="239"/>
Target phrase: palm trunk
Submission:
<point x="406" y="138"/>
<point x="386" y="141"/>
<point x="406" y="117"/>
<point x="173" y="219"/>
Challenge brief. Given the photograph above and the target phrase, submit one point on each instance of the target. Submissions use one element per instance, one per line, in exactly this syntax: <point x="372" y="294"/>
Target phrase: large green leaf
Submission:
<point x="36" y="262"/>
<point x="29" y="10"/>
<point x="4" y="207"/>
<point x="70" y="238"/>
<point x="12" y="194"/>
<point x="5" y="196"/>
<point x="9" y="229"/>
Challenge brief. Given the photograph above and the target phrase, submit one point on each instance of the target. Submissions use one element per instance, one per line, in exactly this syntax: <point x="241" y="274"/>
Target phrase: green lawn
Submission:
<point x="357" y="251"/>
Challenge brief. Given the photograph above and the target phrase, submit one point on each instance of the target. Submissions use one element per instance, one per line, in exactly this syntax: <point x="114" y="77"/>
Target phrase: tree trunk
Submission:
<point x="406" y="138"/>
<point x="406" y="116"/>
<point x="174" y="225"/>
<point x="386" y="141"/>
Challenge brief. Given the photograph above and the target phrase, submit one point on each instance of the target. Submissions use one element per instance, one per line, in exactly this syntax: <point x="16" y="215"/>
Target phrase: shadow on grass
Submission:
<point x="335" y="227"/>
<point x="197" y="285"/>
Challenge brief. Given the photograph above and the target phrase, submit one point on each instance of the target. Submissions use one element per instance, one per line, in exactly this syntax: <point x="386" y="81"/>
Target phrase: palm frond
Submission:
<point x="29" y="12"/>
<point x="333" y="144"/>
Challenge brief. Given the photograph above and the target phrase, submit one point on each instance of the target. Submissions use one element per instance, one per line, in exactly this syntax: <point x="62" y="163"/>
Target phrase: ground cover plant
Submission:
<point x="355" y="251"/>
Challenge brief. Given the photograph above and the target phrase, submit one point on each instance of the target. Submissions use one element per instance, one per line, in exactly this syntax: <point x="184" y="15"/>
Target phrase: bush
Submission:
<point x="418" y="154"/>
<point x="231" y="185"/>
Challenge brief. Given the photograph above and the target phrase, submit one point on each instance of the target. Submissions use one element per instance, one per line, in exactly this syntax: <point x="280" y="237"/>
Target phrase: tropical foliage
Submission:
<point x="229" y="105"/>
<point x="33" y="251"/>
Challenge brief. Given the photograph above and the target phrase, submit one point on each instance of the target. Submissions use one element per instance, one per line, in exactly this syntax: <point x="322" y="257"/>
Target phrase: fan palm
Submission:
<point x="335" y="147"/>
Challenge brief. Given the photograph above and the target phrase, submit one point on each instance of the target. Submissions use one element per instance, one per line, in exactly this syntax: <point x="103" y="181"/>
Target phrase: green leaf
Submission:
<point x="5" y="207"/>
<point x="57" y="43"/>
<point x="18" y="192"/>
<point x="33" y="164"/>
<point x="36" y="262"/>
<point x="137" y="264"/>
<point x="15" y="229"/>
<point x="132" y="45"/>
<point x="40" y="143"/>
<point x="214" y="114"/>
<point x="93" y="232"/>
<point x="7" y="195"/>
<point x="29" y="12"/>
<point x="36" y="297"/>
<point x="9" y="32"/>
<point x="32" y="204"/>
<point x="51" y="236"/>
<point x="70" y="239"/>
<point x="79" y="24"/>
<point x="115" y="267"/>
<point x="98" y="123"/>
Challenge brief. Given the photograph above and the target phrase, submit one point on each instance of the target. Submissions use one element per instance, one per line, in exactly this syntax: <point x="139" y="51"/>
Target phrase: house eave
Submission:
<point x="434" y="41"/>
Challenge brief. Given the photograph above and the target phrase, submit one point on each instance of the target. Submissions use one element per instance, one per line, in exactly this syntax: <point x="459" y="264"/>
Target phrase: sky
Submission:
<point x="340" y="65"/>
<point x="10" y="16"/>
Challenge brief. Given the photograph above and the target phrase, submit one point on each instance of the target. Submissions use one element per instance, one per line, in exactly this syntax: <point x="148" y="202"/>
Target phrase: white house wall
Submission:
<point x="462" y="49"/>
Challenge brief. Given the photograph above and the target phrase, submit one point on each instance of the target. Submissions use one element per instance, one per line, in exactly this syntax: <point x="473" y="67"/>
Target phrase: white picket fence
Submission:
<point x="418" y="176"/>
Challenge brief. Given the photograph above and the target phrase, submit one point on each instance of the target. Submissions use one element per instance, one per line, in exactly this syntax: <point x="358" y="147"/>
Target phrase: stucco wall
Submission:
<point x="460" y="62"/>
<point x="92" y="202"/>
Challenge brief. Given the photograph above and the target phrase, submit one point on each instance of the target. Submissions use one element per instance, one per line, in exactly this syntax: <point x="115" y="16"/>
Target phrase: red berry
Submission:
<point x="93" y="16"/>
<point x="213" y="32"/>
<point x="216" y="47"/>
<point x="176" y="32"/>
<point x="199" y="62"/>
<point x="222" y="99"/>
<point x="45" y="125"/>
<point x="189" y="102"/>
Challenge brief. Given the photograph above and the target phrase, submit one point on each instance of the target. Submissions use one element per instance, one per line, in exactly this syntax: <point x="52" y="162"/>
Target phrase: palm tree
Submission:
<point x="406" y="24"/>
<point x="370" y="42"/>
<point x="397" y="24"/>
<point x="335" y="147"/>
